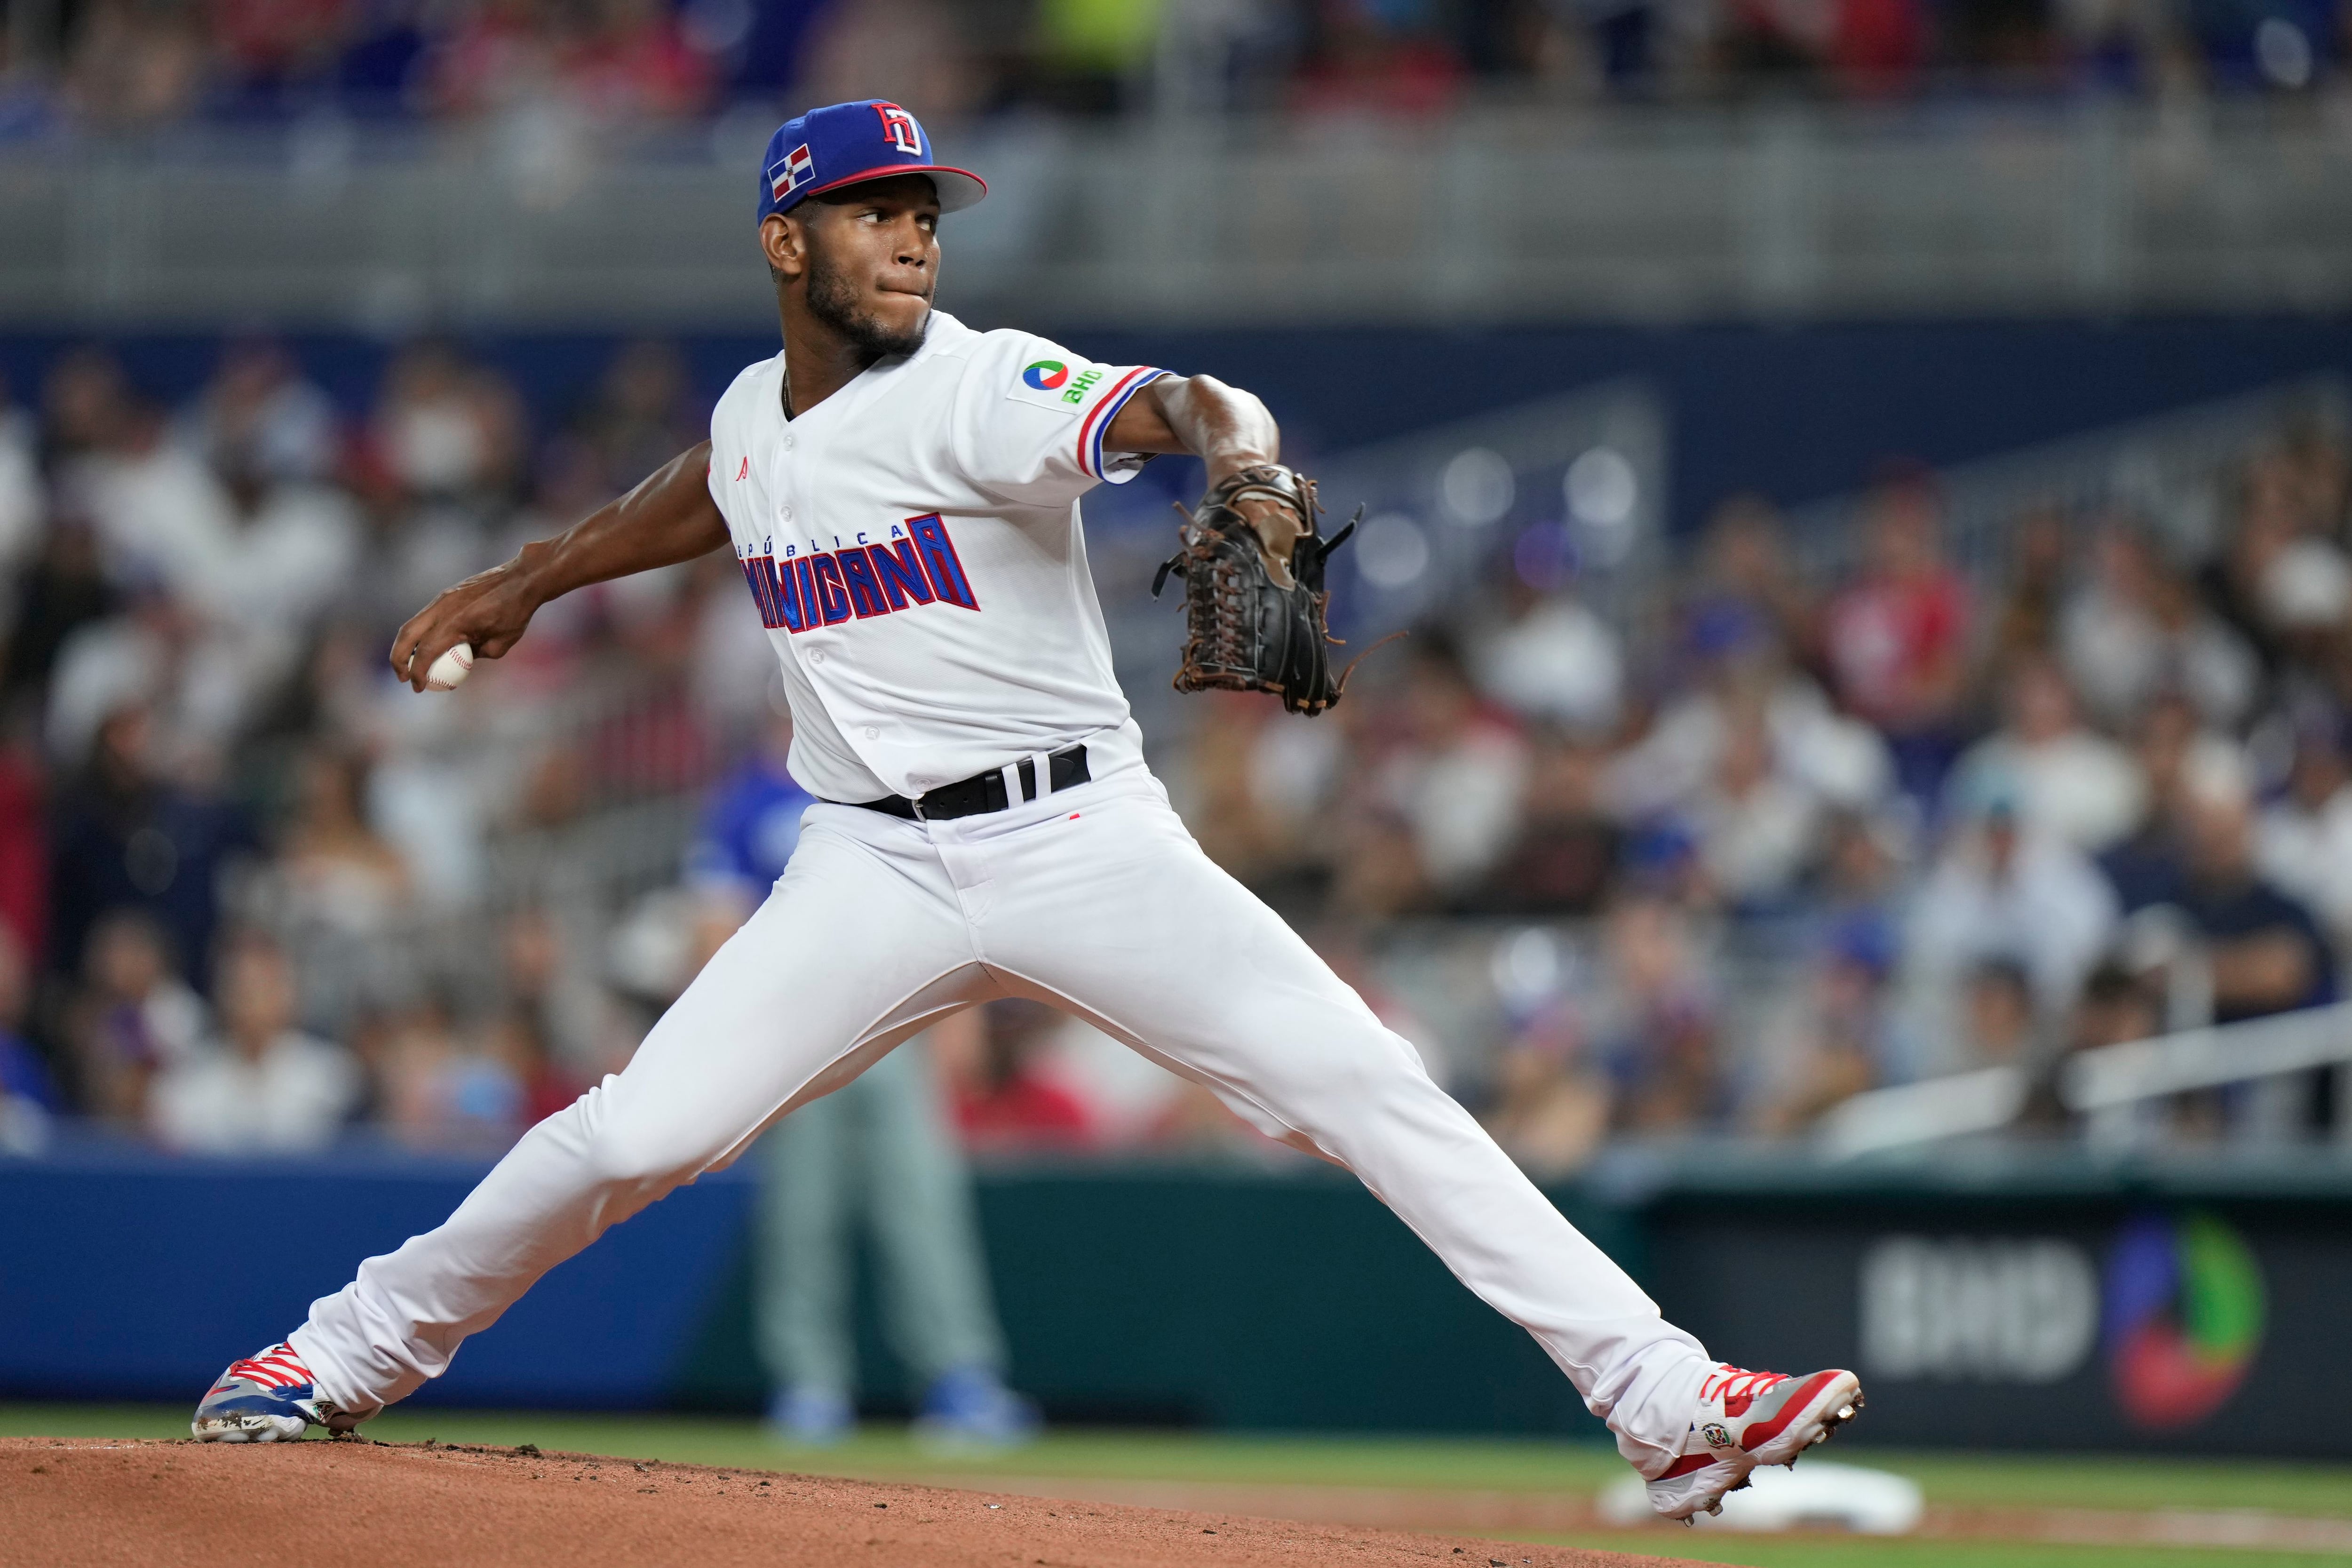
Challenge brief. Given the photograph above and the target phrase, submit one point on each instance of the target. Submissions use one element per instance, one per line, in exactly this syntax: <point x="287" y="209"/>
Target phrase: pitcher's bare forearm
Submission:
<point x="670" y="517"/>
<point x="1226" y="427"/>
<point x="1229" y="430"/>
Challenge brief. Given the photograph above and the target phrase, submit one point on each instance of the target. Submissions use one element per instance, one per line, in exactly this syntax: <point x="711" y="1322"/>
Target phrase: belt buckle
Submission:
<point x="916" y="804"/>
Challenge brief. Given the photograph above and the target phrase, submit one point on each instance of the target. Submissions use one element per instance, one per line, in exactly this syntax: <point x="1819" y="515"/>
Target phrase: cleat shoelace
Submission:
<point x="275" y="1368"/>
<point x="1733" y="1382"/>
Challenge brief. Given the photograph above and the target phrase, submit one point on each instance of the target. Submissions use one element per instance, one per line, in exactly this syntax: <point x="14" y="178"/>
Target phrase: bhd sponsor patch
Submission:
<point x="1057" y="383"/>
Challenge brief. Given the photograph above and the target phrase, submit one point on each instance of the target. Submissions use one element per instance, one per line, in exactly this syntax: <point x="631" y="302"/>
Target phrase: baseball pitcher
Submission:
<point x="902" y="495"/>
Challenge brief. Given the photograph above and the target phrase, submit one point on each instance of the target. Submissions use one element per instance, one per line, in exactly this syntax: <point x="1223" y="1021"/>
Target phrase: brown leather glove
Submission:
<point x="1253" y="593"/>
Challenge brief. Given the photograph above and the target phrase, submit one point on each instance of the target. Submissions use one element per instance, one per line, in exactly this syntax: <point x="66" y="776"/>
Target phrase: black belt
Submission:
<point x="985" y="792"/>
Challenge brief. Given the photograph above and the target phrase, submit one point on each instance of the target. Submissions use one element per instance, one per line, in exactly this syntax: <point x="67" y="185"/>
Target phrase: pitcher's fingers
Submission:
<point x="412" y="660"/>
<point x="401" y="655"/>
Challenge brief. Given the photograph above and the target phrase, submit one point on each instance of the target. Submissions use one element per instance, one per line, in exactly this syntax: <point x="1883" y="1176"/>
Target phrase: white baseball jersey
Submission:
<point x="914" y="546"/>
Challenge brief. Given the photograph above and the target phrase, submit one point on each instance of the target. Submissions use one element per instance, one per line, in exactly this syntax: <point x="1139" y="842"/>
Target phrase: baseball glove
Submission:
<point x="1253" y="593"/>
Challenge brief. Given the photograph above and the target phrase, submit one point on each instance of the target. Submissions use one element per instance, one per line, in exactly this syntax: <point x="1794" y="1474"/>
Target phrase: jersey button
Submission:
<point x="788" y="514"/>
<point x="817" y="658"/>
<point x="790" y="442"/>
<point x="872" y="733"/>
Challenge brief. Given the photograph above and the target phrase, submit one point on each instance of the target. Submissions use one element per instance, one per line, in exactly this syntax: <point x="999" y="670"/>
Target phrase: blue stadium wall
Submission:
<point x="2061" y="1306"/>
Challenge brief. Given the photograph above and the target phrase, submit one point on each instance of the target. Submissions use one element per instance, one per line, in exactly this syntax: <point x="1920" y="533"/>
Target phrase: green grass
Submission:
<point x="1437" y="1463"/>
<point x="2068" y="1481"/>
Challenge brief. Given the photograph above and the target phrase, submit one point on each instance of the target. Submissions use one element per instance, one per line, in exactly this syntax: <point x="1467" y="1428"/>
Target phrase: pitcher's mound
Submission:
<point x="381" y="1505"/>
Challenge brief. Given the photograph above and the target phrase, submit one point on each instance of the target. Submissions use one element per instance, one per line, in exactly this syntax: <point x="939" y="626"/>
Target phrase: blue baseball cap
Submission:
<point x="845" y="143"/>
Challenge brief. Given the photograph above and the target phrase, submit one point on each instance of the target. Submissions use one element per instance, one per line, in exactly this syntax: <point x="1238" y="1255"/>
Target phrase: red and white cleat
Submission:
<point x="1746" y="1419"/>
<point x="266" y="1398"/>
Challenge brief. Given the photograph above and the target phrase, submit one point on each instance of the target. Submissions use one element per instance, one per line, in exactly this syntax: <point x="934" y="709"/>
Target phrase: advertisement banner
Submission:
<point x="2101" y="1322"/>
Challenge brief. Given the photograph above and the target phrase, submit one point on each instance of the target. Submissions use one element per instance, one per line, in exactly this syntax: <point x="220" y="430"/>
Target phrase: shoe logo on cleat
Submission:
<point x="1716" y="1437"/>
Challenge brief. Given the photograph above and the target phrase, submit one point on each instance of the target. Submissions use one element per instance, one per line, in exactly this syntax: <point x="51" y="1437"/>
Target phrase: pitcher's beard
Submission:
<point x="833" y="299"/>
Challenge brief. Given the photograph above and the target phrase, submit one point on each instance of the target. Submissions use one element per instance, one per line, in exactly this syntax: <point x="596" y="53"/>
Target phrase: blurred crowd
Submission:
<point x="1827" y="835"/>
<point x="103" y="63"/>
<point x="250" y="886"/>
<point x="1784" y="836"/>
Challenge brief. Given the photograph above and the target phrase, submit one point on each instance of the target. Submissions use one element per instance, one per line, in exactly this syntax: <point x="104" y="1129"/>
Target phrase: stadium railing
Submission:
<point x="2117" y="1091"/>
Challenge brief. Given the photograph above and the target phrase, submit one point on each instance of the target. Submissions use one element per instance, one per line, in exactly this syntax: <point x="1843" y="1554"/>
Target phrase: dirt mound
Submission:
<point x="382" y="1505"/>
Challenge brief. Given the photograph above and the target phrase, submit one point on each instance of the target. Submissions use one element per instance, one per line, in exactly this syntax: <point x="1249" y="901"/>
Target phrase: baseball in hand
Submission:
<point x="449" y="671"/>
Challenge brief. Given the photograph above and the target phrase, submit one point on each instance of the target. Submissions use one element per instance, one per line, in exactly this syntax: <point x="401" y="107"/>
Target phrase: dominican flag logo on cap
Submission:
<point x="797" y="170"/>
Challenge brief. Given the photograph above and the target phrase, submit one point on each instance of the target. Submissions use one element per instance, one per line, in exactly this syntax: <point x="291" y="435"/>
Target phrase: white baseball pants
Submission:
<point x="1094" y="900"/>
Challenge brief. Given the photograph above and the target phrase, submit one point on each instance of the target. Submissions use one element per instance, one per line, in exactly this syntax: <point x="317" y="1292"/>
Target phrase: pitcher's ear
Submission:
<point x="784" y="241"/>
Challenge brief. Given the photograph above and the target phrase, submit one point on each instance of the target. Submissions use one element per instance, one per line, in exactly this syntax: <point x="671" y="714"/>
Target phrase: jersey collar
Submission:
<point x="939" y="330"/>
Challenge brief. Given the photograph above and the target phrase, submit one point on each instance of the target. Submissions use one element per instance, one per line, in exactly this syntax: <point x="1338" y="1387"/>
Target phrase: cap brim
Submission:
<point x="957" y="188"/>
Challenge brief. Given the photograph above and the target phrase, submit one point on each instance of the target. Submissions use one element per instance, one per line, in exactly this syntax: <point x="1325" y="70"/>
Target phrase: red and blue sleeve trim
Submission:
<point x="1098" y="422"/>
